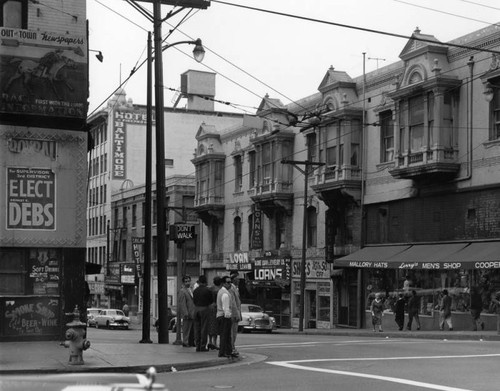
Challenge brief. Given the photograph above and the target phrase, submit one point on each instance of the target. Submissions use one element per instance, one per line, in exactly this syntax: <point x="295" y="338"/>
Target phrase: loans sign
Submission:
<point x="31" y="198"/>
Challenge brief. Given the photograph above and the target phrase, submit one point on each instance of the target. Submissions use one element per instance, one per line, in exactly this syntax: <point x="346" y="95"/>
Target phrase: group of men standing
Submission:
<point x="194" y="306"/>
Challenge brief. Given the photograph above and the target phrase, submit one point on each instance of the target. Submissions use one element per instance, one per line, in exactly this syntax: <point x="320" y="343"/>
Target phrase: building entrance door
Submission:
<point x="310" y="309"/>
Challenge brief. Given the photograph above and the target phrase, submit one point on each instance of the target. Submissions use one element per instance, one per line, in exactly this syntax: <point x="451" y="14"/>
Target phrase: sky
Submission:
<point x="254" y="53"/>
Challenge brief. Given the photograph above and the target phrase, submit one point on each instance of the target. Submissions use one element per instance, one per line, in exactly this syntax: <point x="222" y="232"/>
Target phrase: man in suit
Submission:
<point x="186" y="310"/>
<point x="202" y="297"/>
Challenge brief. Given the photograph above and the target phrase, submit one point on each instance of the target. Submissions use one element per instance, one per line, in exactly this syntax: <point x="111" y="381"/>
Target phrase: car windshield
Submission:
<point x="250" y="308"/>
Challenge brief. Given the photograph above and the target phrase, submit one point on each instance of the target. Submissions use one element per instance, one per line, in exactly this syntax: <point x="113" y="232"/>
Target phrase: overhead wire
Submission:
<point x="471" y="48"/>
<point x="445" y="12"/>
<point x="352" y="27"/>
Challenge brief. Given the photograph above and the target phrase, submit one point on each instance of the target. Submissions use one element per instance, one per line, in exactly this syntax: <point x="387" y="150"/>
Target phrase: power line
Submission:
<point x="359" y="28"/>
<point x="444" y="12"/>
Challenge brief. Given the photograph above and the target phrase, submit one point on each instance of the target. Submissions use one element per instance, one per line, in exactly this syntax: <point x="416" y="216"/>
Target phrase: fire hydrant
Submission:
<point x="75" y="338"/>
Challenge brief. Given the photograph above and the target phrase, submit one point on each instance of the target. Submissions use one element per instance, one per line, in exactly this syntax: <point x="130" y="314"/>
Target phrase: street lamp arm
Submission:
<point x="198" y="51"/>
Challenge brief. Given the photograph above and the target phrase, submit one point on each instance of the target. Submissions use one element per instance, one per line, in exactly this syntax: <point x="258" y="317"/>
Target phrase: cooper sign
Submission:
<point x="30" y="198"/>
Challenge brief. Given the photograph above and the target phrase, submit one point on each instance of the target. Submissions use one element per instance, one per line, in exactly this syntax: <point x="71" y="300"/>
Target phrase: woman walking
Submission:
<point x="377" y="310"/>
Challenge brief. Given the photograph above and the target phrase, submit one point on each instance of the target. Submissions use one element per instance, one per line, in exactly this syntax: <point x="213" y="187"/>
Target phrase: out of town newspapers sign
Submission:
<point x="31" y="199"/>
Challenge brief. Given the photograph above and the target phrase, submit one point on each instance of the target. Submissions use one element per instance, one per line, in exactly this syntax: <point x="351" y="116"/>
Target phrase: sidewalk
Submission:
<point x="133" y="357"/>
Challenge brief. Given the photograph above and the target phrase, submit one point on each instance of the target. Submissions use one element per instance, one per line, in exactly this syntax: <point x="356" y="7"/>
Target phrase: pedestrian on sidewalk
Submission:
<point x="213" y="330"/>
<point x="445" y="311"/>
<point x="186" y="312"/>
<point x="476" y="307"/>
<point x="202" y="298"/>
<point x="377" y="310"/>
<point x="235" y="309"/>
<point x="224" y="318"/>
<point x="399" y="312"/>
<point x="413" y="309"/>
<point x="125" y="308"/>
<point x="495" y="299"/>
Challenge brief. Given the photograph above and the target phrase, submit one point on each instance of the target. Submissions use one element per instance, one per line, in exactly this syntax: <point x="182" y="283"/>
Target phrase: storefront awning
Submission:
<point x="370" y="257"/>
<point x="466" y="255"/>
<point x="485" y="255"/>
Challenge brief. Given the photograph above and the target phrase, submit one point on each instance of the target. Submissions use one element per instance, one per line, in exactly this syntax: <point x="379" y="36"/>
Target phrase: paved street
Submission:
<point x="309" y="362"/>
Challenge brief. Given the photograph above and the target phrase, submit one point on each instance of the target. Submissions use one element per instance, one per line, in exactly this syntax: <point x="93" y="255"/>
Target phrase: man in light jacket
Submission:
<point x="224" y="318"/>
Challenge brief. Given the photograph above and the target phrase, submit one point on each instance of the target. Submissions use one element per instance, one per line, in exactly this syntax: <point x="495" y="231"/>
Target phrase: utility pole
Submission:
<point x="161" y="228"/>
<point x="146" y="294"/>
<point x="309" y="167"/>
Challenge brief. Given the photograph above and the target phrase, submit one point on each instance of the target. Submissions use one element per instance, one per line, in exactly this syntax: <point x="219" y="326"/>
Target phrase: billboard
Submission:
<point x="43" y="74"/>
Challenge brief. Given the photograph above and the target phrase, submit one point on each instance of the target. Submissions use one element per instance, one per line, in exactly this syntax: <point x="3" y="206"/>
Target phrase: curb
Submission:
<point x="160" y="368"/>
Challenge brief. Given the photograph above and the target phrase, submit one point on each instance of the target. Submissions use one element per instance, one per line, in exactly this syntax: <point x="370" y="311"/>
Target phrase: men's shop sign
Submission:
<point x="420" y="265"/>
<point x="31" y="198"/>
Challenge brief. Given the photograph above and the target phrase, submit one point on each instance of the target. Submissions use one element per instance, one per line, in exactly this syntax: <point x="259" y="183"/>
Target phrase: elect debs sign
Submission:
<point x="30" y="198"/>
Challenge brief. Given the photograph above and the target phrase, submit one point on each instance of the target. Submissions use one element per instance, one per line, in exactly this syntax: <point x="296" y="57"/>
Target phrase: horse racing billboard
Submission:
<point x="43" y="74"/>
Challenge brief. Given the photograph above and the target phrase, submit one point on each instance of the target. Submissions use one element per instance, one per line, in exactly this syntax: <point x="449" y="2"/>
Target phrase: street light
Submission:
<point x="198" y="54"/>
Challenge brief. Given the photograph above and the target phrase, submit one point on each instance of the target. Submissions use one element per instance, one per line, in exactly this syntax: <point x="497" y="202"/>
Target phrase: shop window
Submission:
<point x="14" y="14"/>
<point x="12" y="272"/>
<point x="34" y="271"/>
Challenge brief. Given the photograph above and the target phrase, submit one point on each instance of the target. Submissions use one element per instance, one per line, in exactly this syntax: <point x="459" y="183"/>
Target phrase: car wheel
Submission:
<point x="107" y="324"/>
<point x="269" y="331"/>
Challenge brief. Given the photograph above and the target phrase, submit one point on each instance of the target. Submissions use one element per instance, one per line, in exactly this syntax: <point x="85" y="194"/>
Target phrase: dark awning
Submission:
<point x="484" y="255"/>
<point x="370" y="257"/>
<point x="448" y="256"/>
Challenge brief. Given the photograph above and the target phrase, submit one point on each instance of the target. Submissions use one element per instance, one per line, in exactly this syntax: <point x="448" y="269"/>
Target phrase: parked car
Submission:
<point x="111" y="319"/>
<point x="254" y="318"/>
<point x="91" y="314"/>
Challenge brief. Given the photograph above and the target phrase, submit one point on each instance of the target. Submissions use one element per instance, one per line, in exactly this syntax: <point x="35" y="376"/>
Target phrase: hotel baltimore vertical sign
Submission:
<point x="31" y="198"/>
<point x="120" y="120"/>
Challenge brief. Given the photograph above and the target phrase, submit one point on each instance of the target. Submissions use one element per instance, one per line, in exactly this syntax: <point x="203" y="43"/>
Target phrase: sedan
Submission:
<point x="254" y="318"/>
<point x="111" y="319"/>
<point x="91" y="314"/>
